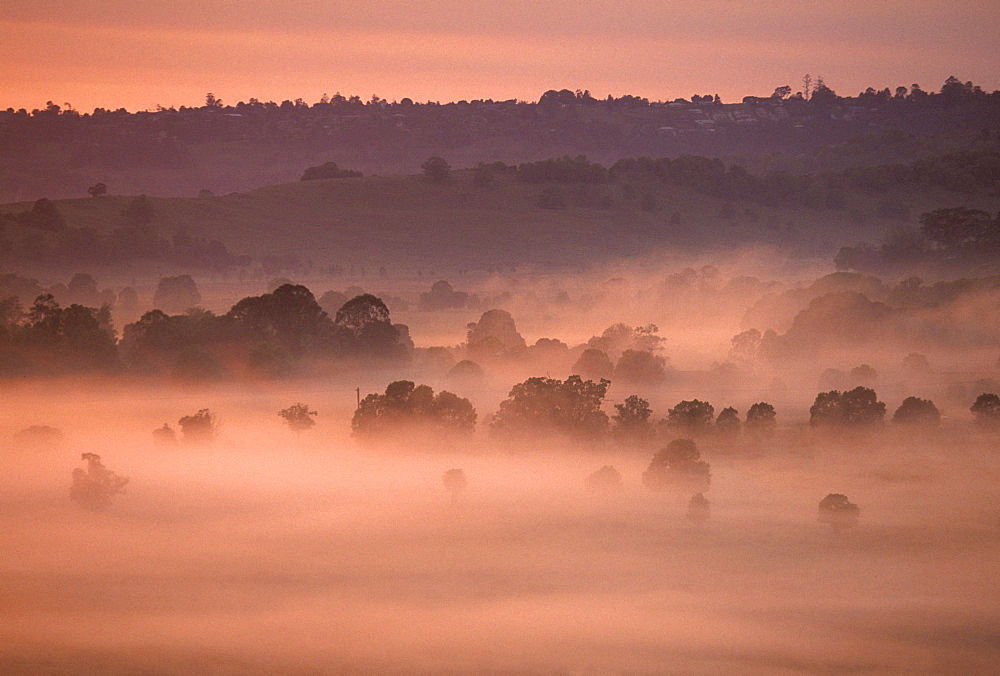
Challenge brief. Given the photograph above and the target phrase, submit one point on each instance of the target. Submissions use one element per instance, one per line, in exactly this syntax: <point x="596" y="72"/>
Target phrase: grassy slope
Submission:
<point x="406" y="220"/>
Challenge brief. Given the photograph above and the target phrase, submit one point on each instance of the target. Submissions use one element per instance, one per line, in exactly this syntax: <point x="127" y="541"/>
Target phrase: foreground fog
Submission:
<point x="266" y="552"/>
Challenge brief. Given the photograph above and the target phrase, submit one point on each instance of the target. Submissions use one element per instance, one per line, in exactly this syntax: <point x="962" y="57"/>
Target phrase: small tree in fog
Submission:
<point x="839" y="512"/>
<point x="679" y="465"/>
<point x="605" y="479"/>
<point x="164" y="436"/>
<point x="690" y="417"/>
<point x="298" y="417"/>
<point x="728" y="422"/>
<point x="699" y="509"/>
<point x="38" y="437"/>
<point x="200" y="427"/>
<point x="917" y="412"/>
<point x="94" y="487"/>
<point x="436" y="169"/>
<point x="761" y="420"/>
<point x="176" y="294"/>
<point x="631" y="422"/>
<point x="455" y="483"/>
<point x="986" y="411"/>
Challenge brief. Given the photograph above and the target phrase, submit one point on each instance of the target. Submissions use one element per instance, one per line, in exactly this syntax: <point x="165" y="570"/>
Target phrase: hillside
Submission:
<point x="413" y="222"/>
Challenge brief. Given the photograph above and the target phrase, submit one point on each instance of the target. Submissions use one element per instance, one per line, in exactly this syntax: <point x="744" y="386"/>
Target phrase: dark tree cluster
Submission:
<point x="540" y="406"/>
<point x="327" y="171"/>
<point x="858" y="408"/>
<point x="406" y="409"/>
<point x="268" y="335"/>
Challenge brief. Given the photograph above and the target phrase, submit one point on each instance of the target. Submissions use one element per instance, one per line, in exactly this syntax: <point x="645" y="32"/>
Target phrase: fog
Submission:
<point x="270" y="551"/>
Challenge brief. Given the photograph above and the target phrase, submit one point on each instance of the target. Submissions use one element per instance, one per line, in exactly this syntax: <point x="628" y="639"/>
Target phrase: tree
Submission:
<point x="986" y="411"/>
<point x="199" y="428"/>
<point x="176" y="294"/>
<point x="690" y="417"/>
<point x="455" y="483"/>
<point x="436" y="169"/>
<point x="606" y="479"/>
<point x="699" y="509"/>
<point x="366" y="317"/>
<point x="761" y="419"/>
<point x="917" y="412"/>
<point x="632" y="426"/>
<point x="164" y="436"/>
<point x="406" y="409"/>
<point x="593" y="364"/>
<point x="679" y="465"/>
<point x="328" y="170"/>
<point x="839" y="512"/>
<point x="856" y="408"/>
<point x="546" y="405"/>
<point x="728" y="422"/>
<point x="97" y="190"/>
<point x="494" y="334"/>
<point x="639" y="367"/>
<point x="44" y="215"/>
<point x="288" y="316"/>
<point x="94" y="487"/>
<point x="298" y="417"/>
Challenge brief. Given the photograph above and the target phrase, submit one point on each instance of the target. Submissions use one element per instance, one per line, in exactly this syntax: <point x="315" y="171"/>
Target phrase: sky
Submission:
<point x="123" y="53"/>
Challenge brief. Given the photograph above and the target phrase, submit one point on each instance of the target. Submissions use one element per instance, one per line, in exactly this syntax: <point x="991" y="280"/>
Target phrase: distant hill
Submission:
<point x="411" y="221"/>
<point x="58" y="153"/>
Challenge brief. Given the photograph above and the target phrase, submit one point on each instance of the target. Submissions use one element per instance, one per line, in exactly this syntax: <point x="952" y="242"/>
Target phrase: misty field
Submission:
<point x="268" y="553"/>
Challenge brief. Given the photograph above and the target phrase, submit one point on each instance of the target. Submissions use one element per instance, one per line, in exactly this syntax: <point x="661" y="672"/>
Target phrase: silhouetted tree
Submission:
<point x="289" y="316"/>
<point x="455" y="483"/>
<point x="298" y="417"/>
<point x="94" y="487"/>
<point x="594" y="364"/>
<point x="406" y="408"/>
<point x="699" y="509"/>
<point x="728" y="422"/>
<point x="839" y="512"/>
<point x="690" y="417"/>
<point x="328" y="170"/>
<point x="631" y="422"/>
<point x="494" y="334"/>
<point x="164" y="436"/>
<point x="176" y="294"/>
<point x="466" y="370"/>
<point x="44" y="215"/>
<point x="97" y="190"/>
<point x="545" y="405"/>
<point x="367" y="319"/>
<point x="638" y="367"/>
<point x="917" y="412"/>
<point x="605" y="479"/>
<point x="986" y="411"/>
<point x="200" y="427"/>
<point x="679" y="465"/>
<point x="857" y="408"/>
<point x="761" y="419"/>
<point x="436" y="169"/>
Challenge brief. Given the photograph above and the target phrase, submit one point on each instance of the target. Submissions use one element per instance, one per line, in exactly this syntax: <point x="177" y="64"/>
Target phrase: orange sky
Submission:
<point x="114" y="53"/>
